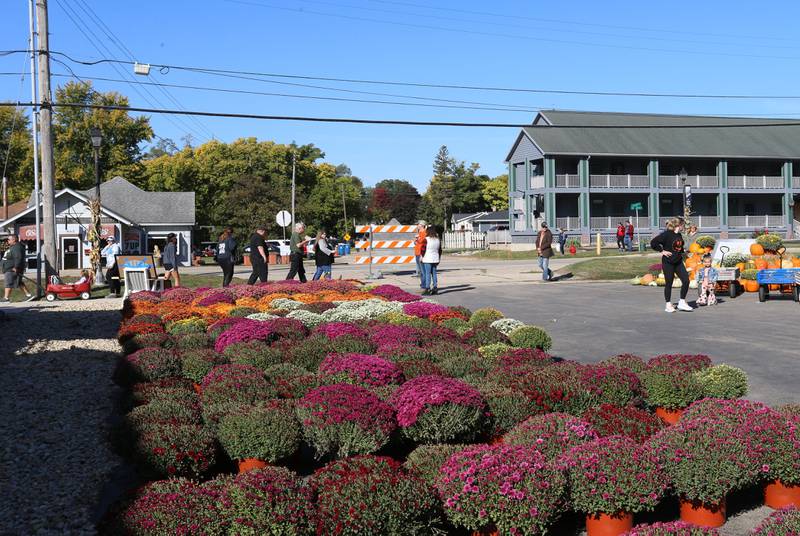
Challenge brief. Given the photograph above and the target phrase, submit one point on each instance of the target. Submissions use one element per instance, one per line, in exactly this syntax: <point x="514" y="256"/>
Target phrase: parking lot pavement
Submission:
<point x="591" y="321"/>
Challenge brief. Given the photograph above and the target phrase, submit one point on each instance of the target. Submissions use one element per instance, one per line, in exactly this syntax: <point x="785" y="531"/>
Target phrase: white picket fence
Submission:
<point x="464" y="240"/>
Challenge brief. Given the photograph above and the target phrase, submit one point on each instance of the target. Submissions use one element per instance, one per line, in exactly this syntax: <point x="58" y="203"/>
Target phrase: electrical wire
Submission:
<point x="315" y="119"/>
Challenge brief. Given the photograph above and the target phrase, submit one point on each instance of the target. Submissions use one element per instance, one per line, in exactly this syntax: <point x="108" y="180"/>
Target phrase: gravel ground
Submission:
<point x="57" y="470"/>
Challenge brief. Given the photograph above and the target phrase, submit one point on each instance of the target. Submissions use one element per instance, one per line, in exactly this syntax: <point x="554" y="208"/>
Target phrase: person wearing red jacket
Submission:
<point x="620" y="236"/>
<point x="628" y="235"/>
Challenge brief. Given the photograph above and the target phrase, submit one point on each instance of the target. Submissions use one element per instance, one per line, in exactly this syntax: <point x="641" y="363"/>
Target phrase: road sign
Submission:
<point x="283" y="218"/>
<point x="347" y="236"/>
<point x="636" y="206"/>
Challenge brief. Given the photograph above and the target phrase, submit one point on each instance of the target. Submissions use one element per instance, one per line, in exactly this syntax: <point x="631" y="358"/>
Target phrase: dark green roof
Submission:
<point x="731" y="140"/>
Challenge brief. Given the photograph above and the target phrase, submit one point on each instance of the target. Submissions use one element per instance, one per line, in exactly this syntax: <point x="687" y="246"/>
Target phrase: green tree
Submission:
<point x="437" y="202"/>
<point x="468" y="188"/>
<point x="495" y="192"/>
<point x="122" y="137"/>
<point x="16" y="153"/>
<point x="322" y="208"/>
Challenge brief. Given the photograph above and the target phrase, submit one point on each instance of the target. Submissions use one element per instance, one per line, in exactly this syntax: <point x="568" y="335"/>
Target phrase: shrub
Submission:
<point x="507" y="407"/>
<point x="426" y="461"/>
<point x="242" y="384"/>
<point x="213" y="298"/>
<point x="175" y="506"/>
<point x="510" y="487"/>
<point x="485" y="315"/>
<point x="391" y="335"/>
<point x="176" y="450"/>
<point x="372" y="495"/>
<point x="531" y="337"/>
<point x="464" y="366"/>
<point x="670" y="388"/>
<point x="218" y="327"/>
<point x="268" y="431"/>
<point x="446" y="315"/>
<point x="243" y="331"/>
<point x="192" y="341"/>
<point x="704" y="457"/>
<point x="163" y="411"/>
<point x="611" y="384"/>
<point x="628" y="361"/>
<point x="614" y="474"/>
<point x="147" y="340"/>
<point x="685" y="363"/>
<point x="672" y="528"/>
<point x="290" y="381"/>
<point x="334" y="330"/>
<point x="146" y="365"/>
<point x="435" y="409"/>
<point x="483" y="335"/>
<point x="309" y="353"/>
<point x="411" y="368"/>
<point x="394" y="293"/>
<point x="706" y="241"/>
<point x="770" y="241"/>
<point x="361" y="369"/>
<point x="172" y="387"/>
<point x="143" y="319"/>
<point x="506" y="325"/>
<point x="187" y="325"/>
<point x="343" y="420"/>
<point x="551" y="434"/>
<point x="130" y="330"/>
<point x="551" y="388"/>
<point x="272" y="500"/>
<point x="491" y="351"/>
<point x="424" y="309"/>
<point x="255" y="353"/>
<point x="458" y="325"/>
<point x="196" y="364"/>
<point x="722" y="381"/>
<point x="318" y="307"/>
<point x="242" y="311"/>
<point x="732" y="259"/>
<point x="526" y="358"/>
<point x="784" y="522"/>
<point x="608" y="420"/>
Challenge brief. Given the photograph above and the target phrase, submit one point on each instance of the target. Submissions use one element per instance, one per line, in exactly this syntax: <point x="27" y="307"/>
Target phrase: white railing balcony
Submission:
<point x="768" y="221"/>
<point x="695" y="181"/>
<point x="568" y="181"/>
<point x="519" y="224"/>
<point x="795" y="182"/>
<point x="755" y="182"/>
<point x="619" y="181"/>
<point x="537" y="182"/>
<point x="568" y="223"/>
<point x="599" y="223"/>
<point x="519" y="204"/>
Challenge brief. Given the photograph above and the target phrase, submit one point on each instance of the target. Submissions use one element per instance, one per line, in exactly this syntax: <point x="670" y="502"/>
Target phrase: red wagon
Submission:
<point x="62" y="291"/>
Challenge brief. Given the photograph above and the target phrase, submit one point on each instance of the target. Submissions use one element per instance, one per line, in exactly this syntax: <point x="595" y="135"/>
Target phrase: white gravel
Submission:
<point x="57" y="470"/>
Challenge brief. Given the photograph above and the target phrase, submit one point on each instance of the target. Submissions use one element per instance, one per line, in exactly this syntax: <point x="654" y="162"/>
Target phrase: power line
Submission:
<point x="165" y="66"/>
<point x="403" y="122"/>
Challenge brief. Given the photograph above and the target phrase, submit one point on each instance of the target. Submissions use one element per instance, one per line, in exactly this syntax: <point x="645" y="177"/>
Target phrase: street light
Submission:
<point x="97" y="141"/>
<point x="687" y="196"/>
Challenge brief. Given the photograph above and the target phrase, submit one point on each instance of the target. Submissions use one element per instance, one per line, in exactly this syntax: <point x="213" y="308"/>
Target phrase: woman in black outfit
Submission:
<point x="226" y="255"/>
<point x="670" y="244"/>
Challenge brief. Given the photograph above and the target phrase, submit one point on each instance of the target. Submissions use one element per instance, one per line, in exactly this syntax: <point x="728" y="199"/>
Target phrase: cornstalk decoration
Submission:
<point x="94" y="237"/>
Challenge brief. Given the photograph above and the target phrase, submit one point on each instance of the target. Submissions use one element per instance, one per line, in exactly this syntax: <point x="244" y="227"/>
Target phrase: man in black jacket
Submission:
<point x="258" y="256"/>
<point x="14" y="267"/>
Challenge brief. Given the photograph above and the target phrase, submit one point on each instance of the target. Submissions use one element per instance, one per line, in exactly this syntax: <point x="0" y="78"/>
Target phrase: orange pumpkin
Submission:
<point x="756" y="249"/>
<point x="695" y="248"/>
<point x="750" y="285"/>
<point x="761" y="264"/>
<point x="796" y="262"/>
<point x="647" y="279"/>
<point x="774" y="265"/>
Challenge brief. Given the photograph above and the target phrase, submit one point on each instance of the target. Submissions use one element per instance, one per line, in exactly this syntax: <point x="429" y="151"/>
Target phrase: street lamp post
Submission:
<point x="97" y="141"/>
<point x="687" y="197"/>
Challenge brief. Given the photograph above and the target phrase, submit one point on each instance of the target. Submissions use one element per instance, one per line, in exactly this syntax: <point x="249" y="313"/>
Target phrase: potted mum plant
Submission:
<point x="176" y="450"/>
<point x="671" y="528"/>
<point x="669" y="391"/>
<point x="360" y="369"/>
<point x="723" y="381"/>
<point x="498" y="489"/>
<point x="748" y="278"/>
<point x="437" y="409"/>
<point x="630" y="421"/>
<point x="235" y="383"/>
<point x="551" y="434"/>
<point x="342" y="420"/>
<point x="706" y="242"/>
<point x="785" y="522"/>
<point x="612" y="478"/>
<point x="260" y="435"/>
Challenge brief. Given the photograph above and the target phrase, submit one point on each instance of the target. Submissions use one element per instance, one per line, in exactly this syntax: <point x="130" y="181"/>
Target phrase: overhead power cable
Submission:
<point x="403" y="122"/>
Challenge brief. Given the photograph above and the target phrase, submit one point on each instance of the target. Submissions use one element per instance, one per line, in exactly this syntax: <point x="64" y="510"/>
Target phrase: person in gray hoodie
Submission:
<point x="169" y="258"/>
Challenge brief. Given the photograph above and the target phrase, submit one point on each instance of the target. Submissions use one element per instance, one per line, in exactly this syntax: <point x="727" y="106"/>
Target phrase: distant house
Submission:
<point x="464" y="221"/>
<point x="492" y="221"/>
<point x="585" y="170"/>
<point x="138" y="219"/>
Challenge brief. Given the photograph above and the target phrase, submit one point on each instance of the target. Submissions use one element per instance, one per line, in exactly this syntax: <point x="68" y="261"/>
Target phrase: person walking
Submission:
<point x="431" y="256"/>
<point x="419" y="242"/>
<point x="14" y="267"/>
<point x="226" y="255"/>
<point x="620" y="236"/>
<point x="170" y="259"/>
<point x="296" y="254"/>
<point x="544" y="246"/>
<point x="323" y="256"/>
<point x="258" y="256"/>
<point x="628" y="235"/>
<point x="670" y="244"/>
<point x="562" y="240"/>
<point x="110" y="252"/>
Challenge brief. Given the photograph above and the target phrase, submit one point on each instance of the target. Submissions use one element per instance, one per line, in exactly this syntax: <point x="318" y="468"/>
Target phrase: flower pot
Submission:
<point x="703" y="514"/>
<point x="608" y="524"/>
<point x="491" y="530"/>
<point x="669" y="416"/>
<point x="197" y="388"/>
<point x="750" y="285"/>
<point x="250" y="464"/>
<point x="778" y="495"/>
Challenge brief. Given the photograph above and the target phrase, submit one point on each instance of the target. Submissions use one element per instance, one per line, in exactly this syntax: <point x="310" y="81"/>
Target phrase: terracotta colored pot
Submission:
<point x="197" y="388"/>
<point x="750" y="285"/>
<point x="703" y="514"/>
<point x="250" y="464"/>
<point x="778" y="495"/>
<point x="487" y="531"/>
<point x="608" y="525"/>
<point x="669" y="416"/>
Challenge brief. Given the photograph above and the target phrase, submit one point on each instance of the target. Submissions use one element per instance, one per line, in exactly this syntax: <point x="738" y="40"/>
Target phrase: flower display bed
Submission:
<point x="333" y="407"/>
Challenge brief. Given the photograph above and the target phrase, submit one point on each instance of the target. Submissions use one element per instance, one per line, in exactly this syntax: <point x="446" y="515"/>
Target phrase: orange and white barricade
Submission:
<point x="383" y="246"/>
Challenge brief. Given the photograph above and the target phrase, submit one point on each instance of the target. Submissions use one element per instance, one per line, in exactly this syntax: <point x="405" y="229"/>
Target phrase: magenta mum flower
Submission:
<point x="369" y="370"/>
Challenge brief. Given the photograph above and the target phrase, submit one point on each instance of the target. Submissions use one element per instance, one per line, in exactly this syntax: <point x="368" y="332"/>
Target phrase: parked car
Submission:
<point x="208" y="249"/>
<point x="281" y="245"/>
<point x="498" y="228"/>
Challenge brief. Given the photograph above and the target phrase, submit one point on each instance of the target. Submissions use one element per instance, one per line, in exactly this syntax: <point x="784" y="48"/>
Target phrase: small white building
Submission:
<point x="138" y="219"/>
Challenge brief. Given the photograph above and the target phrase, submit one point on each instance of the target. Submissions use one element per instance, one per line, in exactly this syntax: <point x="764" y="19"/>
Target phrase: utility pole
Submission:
<point x="46" y="125"/>
<point x="34" y="133"/>
<point x="293" y="177"/>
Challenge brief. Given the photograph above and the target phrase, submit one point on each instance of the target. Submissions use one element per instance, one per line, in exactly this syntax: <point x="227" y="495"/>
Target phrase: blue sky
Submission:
<point x="678" y="47"/>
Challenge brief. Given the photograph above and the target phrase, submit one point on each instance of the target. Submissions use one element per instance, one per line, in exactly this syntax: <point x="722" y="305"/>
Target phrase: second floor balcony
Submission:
<point x="695" y="181"/>
<point x="755" y="182"/>
<point x="619" y="181"/>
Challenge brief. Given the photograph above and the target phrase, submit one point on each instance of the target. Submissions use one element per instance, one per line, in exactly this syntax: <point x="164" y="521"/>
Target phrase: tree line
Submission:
<point x="240" y="183"/>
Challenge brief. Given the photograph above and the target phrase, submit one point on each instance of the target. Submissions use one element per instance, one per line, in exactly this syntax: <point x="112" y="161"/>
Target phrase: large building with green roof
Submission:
<point x="584" y="170"/>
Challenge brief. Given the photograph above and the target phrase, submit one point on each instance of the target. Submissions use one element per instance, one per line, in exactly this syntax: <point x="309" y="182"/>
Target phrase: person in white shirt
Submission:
<point x="110" y="252"/>
<point x="431" y="255"/>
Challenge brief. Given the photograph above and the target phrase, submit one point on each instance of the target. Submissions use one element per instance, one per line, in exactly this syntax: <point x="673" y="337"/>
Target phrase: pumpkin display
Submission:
<point x="750" y="285"/>
<point x="646" y="279"/>
<point x="741" y="266"/>
<point x="756" y="249"/>
<point x="795" y="262"/>
<point x="760" y="264"/>
<point x="695" y="248"/>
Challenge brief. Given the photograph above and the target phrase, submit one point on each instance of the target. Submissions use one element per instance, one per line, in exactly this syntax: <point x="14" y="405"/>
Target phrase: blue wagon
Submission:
<point x="787" y="278"/>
